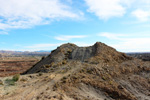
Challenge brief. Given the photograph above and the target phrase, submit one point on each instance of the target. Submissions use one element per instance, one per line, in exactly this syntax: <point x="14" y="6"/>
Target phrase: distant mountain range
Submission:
<point x="19" y="53"/>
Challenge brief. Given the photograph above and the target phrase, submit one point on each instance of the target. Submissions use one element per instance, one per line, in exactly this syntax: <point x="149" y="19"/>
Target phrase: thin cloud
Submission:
<point x="111" y="35"/>
<point x="42" y="45"/>
<point x="3" y="33"/>
<point x="129" y="43"/>
<point x="69" y="1"/>
<point x="28" y="13"/>
<point x="69" y="37"/>
<point x="133" y="45"/>
<point x="106" y="9"/>
<point x="141" y="15"/>
<point x="3" y="43"/>
<point x="50" y="46"/>
<point x="141" y="10"/>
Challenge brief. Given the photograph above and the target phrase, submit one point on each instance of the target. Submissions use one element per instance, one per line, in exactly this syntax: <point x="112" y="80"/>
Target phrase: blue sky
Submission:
<point x="31" y="25"/>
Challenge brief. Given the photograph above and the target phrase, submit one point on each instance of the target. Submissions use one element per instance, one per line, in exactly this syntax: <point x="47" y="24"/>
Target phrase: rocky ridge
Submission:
<point x="99" y="52"/>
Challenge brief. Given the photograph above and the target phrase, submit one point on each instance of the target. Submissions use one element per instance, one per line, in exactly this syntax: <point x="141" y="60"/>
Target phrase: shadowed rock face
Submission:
<point x="98" y="51"/>
<point x="82" y="53"/>
<point x="67" y="52"/>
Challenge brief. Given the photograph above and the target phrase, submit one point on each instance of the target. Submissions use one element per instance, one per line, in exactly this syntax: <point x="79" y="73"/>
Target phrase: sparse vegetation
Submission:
<point x="1" y="82"/>
<point x="23" y="79"/>
<point x="16" y="77"/>
<point x="64" y="62"/>
<point x="40" y="73"/>
<point x="42" y="57"/>
<point x="10" y="82"/>
<point x="13" y="80"/>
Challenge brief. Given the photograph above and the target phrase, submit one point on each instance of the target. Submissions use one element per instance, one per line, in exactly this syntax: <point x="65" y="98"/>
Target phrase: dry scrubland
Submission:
<point x="70" y="72"/>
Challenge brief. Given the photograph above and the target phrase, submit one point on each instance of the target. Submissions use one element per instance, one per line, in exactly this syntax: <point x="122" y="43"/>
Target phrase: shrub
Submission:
<point x="1" y="82"/>
<point x="47" y="66"/>
<point x="43" y="58"/>
<point x="10" y="82"/>
<point x="23" y="79"/>
<point x="16" y="77"/>
<point x="64" y="62"/>
<point x="40" y="73"/>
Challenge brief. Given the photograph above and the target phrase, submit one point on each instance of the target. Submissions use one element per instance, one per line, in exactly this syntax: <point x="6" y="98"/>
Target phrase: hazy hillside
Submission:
<point x="143" y="56"/>
<point x="24" y="53"/>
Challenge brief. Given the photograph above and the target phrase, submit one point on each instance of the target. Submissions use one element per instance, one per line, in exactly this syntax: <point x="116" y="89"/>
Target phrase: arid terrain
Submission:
<point x="14" y="65"/>
<point x="14" y="62"/>
<point x="97" y="72"/>
<point x="143" y="56"/>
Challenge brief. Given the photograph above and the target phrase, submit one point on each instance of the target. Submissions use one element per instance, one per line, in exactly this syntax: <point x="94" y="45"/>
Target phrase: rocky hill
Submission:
<point x="97" y="72"/>
<point x="95" y="54"/>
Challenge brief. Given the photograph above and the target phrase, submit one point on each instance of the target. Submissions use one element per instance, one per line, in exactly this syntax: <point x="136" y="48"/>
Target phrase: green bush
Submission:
<point x="10" y="82"/>
<point x="16" y="77"/>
